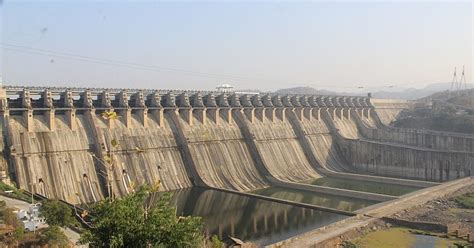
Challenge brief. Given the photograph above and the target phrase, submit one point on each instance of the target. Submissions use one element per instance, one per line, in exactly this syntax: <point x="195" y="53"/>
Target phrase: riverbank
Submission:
<point x="444" y="222"/>
<point x="444" y="210"/>
<point x="370" y="218"/>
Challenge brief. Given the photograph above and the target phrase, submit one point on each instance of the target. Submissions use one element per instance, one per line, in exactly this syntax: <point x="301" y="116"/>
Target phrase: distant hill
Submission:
<point x="463" y="98"/>
<point x="395" y="93"/>
<point x="413" y="94"/>
<point x="307" y="91"/>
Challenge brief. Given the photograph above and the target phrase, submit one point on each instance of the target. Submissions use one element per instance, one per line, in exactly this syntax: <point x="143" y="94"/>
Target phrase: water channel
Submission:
<point x="319" y="199"/>
<point x="358" y="185"/>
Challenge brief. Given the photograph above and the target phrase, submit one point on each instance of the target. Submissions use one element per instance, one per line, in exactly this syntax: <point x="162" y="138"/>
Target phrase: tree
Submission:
<point x="139" y="220"/>
<point x="54" y="236"/>
<point x="57" y="213"/>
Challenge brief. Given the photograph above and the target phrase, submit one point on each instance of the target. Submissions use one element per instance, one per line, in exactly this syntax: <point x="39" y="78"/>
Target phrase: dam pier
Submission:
<point x="259" y="167"/>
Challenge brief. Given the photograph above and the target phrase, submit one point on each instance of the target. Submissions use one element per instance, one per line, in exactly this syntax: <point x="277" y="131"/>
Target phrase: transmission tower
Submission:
<point x="454" y="83"/>
<point x="462" y="81"/>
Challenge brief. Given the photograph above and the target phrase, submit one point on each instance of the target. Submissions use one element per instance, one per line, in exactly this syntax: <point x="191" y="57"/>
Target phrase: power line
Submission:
<point x="131" y="65"/>
<point x="82" y="58"/>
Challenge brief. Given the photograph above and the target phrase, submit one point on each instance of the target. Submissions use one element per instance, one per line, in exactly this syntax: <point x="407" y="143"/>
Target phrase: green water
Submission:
<point x="402" y="237"/>
<point x="319" y="199"/>
<point x="247" y="218"/>
<point x="358" y="185"/>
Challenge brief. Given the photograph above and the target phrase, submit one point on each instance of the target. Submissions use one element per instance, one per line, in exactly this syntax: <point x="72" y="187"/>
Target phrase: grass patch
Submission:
<point x="16" y="194"/>
<point x="466" y="200"/>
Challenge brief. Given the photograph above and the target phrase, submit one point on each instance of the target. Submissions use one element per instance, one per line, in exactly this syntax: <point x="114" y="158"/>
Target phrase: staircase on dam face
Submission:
<point x="81" y="145"/>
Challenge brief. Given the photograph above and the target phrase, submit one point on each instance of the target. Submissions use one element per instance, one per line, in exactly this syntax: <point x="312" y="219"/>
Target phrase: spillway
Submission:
<point x="281" y="152"/>
<point x="223" y="159"/>
<point x="144" y="155"/>
<point x="388" y="110"/>
<point x="44" y="161"/>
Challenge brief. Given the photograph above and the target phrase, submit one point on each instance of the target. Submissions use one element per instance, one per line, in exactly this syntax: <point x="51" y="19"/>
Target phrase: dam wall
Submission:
<point x="278" y="145"/>
<point x="223" y="159"/>
<point x="388" y="158"/>
<point x="420" y="138"/>
<point x="323" y="145"/>
<point x="143" y="155"/>
<point x="44" y="161"/>
<point x="281" y="151"/>
<point x="374" y="129"/>
<point x="388" y="109"/>
<point x="377" y="158"/>
<point x="81" y="145"/>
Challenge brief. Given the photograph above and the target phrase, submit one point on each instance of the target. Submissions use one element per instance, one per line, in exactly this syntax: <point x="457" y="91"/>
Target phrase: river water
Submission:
<point x="247" y="218"/>
<point x="265" y="222"/>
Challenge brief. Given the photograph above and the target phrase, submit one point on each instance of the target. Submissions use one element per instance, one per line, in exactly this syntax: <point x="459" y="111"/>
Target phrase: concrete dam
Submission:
<point x="83" y="145"/>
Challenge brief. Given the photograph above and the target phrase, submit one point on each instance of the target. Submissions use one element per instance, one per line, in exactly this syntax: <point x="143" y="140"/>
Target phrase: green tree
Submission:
<point x="54" y="236"/>
<point x="57" y="213"/>
<point x="139" y="220"/>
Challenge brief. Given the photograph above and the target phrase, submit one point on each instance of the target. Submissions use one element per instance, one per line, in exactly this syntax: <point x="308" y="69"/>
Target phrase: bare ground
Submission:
<point x="444" y="210"/>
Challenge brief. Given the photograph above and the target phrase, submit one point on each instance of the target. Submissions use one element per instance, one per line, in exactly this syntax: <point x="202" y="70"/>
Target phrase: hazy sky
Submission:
<point x="263" y="45"/>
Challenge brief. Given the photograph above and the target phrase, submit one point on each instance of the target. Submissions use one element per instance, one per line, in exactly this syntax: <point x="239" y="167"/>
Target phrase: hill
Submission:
<point x="442" y="111"/>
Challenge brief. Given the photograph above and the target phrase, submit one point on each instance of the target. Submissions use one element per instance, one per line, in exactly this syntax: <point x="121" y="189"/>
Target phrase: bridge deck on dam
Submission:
<point x="83" y="145"/>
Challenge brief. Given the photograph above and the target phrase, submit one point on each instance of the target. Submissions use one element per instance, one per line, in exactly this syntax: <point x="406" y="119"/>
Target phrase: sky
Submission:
<point x="267" y="45"/>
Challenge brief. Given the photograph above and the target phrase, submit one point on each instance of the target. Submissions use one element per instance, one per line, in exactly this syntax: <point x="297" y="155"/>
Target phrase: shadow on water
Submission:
<point x="250" y="219"/>
<point x="358" y="185"/>
<point x="319" y="199"/>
